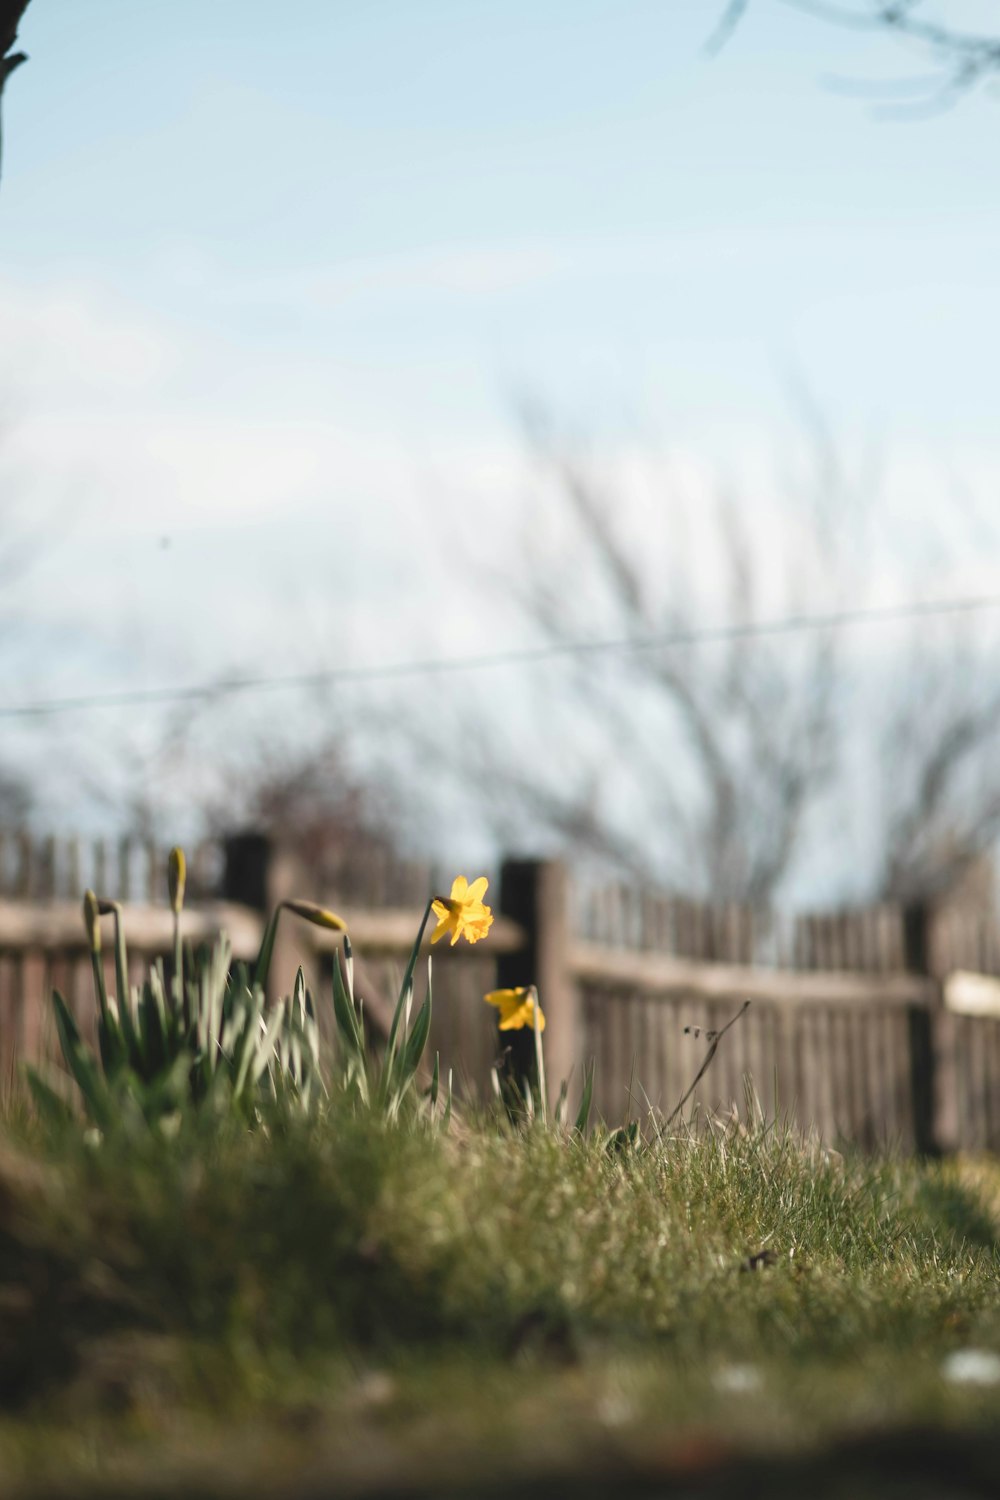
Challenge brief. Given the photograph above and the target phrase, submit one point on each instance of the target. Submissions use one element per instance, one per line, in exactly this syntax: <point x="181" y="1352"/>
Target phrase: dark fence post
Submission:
<point x="920" y="1028"/>
<point x="535" y="894"/>
<point x="245" y="877"/>
<point x="259" y="874"/>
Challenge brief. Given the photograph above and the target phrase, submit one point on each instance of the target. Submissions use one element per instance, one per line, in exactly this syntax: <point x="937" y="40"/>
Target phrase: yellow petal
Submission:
<point x="477" y="889"/>
<point x="440" y="929"/>
<point x="459" y="886"/>
<point x="516" y="1016"/>
<point x="520" y="1014"/>
<point x="502" y="998"/>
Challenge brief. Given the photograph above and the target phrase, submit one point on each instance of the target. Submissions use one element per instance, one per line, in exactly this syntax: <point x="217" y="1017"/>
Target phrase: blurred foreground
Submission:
<point x="338" y="1306"/>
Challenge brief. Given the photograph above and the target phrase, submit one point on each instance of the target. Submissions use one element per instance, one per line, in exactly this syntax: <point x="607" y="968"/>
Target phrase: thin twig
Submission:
<point x="713" y="1048"/>
<point x="727" y="24"/>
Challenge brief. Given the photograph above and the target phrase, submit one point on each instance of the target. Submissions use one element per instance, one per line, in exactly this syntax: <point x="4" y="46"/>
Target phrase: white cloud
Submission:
<point x="300" y="540"/>
<point x="75" y="342"/>
<point x="904" y="263"/>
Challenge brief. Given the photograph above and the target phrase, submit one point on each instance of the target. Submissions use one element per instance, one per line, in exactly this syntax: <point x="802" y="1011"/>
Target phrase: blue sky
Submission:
<point x="406" y="206"/>
<point x="269" y="280"/>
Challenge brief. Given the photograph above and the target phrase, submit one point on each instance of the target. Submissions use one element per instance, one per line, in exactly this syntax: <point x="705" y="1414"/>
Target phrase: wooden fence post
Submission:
<point x="535" y="894"/>
<point x="921" y="1020"/>
<point x="247" y="863"/>
<point x="944" y="1084"/>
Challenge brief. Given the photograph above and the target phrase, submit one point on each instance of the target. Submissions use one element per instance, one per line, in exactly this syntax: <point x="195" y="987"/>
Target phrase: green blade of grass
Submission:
<point x="583" y="1113"/>
<point x="344" y="1012"/>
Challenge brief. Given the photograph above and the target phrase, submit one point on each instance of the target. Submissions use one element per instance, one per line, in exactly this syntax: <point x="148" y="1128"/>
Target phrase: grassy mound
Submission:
<point x="392" y="1301"/>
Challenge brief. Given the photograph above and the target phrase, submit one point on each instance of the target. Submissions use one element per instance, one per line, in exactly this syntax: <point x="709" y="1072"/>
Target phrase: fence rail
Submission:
<point x="874" y="1025"/>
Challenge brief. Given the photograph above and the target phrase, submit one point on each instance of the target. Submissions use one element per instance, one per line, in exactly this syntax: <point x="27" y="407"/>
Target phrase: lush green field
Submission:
<point x="332" y="1299"/>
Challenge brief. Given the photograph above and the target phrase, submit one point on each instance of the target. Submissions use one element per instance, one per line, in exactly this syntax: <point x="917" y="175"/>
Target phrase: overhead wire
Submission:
<point x="517" y="656"/>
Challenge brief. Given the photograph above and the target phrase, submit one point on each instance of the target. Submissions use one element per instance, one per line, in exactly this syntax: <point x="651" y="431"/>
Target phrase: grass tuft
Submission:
<point x="524" y="1294"/>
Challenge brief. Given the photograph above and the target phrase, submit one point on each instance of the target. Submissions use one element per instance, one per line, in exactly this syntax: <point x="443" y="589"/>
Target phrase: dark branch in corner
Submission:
<point x="964" y="58"/>
<point x="11" y="12"/>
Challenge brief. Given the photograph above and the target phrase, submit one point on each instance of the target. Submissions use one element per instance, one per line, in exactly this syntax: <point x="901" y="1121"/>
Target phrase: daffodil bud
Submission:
<point x="318" y="915"/>
<point x="92" y="921"/>
<point x="176" y="876"/>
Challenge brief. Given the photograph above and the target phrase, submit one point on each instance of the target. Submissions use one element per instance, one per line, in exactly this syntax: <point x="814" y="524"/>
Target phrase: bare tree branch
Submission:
<point x="938" y="828"/>
<point x="727" y="24"/>
<point x="963" y="58"/>
<point x="721" y="755"/>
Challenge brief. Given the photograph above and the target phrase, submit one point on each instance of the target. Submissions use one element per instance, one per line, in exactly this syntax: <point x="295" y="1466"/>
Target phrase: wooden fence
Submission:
<point x="879" y="1025"/>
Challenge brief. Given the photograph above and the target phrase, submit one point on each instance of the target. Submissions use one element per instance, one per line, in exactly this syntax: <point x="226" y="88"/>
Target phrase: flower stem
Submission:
<point x="415" y="950"/>
<point x="179" y="967"/>
<point x="539" y="1058"/>
<point x="405" y="986"/>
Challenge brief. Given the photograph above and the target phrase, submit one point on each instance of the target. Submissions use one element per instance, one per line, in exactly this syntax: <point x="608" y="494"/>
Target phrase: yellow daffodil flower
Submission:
<point x="462" y="913"/>
<point x="516" y="1007"/>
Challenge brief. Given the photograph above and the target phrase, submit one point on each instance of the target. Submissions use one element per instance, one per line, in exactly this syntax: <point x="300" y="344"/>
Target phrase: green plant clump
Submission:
<point x="209" y="1037"/>
<point x="206" y="1038"/>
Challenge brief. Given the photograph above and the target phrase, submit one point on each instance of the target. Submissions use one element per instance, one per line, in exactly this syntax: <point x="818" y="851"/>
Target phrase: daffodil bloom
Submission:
<point x="462" y="913"/>
<point x="516" y="1007"/>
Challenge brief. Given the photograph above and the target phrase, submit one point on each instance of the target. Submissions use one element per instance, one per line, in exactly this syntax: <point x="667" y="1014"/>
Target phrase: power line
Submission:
<point x="526" y="656"/>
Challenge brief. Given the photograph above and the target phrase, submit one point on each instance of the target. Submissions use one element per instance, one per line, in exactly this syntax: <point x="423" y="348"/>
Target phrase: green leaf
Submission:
<point x="344" y="1013"/>
<point x="295" y="1055"/>
<point x="80" y="1062"/>
<point x="52" y="1107"/>
<point x="414" y="954"/>
<point x="264" y="1052"/>
<point x="233" y="1027"/>
<point x="133" y="1042"/>
<point x="254" y="1001"/>
<point x="624" y="1140"/>
<point x="151" y="1031"/>
<point x="213" y="983"/>
<point x="299" y="993"/>
<point x="158" y="990"/>
<point x="263" y="963"/>
<point x="405" y="997"/>
<point x="311" y="1028"/>
<point x="100" y="988"/>
<point x="413" y="1049"/>
<point x="582" y="1120"/>
<point x="168" y="1092"/>
<point x="114" y="1055"/>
